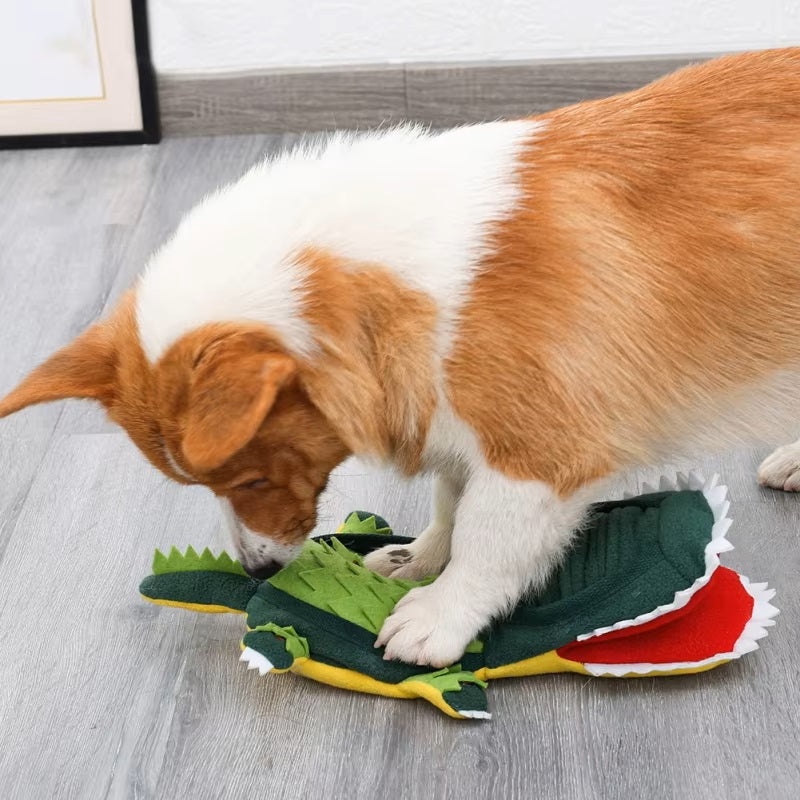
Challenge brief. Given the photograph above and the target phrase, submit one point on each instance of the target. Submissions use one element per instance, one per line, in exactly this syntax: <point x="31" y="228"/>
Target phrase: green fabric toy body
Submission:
<point x="640" y="593"/>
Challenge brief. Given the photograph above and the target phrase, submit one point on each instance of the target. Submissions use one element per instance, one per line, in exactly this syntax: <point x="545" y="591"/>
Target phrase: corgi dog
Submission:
<point x="523" y="309"/>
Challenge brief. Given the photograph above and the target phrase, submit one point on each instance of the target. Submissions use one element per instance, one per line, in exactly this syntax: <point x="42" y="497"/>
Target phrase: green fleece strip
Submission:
<point x="471" y="697"/>
<point x="365" y="522"/>
<point x="192" y="561"/>
<point x="331" y="640"/>
<point x="201" y="588"/>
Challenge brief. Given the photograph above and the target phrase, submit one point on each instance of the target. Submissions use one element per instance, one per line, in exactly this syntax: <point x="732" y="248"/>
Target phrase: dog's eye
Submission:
<point x="260" y="483"/>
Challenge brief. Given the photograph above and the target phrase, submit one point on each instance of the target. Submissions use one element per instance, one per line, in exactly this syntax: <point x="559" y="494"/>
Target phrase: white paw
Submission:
<point x="410" y="562"/>
<point x="426" y="629"/>
<point x="781" y="470"/>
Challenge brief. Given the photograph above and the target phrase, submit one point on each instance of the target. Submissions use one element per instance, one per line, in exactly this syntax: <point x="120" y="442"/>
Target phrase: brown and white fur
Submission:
<point x="521" y="308"/>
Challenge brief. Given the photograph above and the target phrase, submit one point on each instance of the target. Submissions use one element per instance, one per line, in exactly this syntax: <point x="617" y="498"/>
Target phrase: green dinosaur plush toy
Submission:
<point x="641" y="593"/>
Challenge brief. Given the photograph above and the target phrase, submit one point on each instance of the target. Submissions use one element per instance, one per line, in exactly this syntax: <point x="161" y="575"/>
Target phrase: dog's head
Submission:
<point x="225" y="406"/>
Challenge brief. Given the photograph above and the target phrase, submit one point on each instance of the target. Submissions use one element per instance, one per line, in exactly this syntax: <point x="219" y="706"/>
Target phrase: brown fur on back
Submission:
<point x="651" y="272"/>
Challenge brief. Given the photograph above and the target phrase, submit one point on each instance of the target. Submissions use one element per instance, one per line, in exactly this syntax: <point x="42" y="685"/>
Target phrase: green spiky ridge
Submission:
<point x="364" y="522"/>
<point x="190" y="561"/>
<point x="334" y="579"/>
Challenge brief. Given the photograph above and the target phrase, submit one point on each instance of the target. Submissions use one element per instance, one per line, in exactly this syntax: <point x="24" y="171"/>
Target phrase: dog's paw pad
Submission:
<point x="400" y="562"/>
<point x="781" y="470"/>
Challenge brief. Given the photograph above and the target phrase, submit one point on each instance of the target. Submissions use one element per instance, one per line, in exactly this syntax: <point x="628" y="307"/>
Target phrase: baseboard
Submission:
<point x="363" y="97"/>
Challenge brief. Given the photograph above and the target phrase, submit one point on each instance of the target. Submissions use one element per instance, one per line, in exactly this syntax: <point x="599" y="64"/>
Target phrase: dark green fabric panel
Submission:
<point x="331" y="640"/>
<point x="269" y="645"/>
<point x="470" y="662"/>
<point x="471" y="697"/>
<point x="634" y="556"/>
<point x="203" y="588"/>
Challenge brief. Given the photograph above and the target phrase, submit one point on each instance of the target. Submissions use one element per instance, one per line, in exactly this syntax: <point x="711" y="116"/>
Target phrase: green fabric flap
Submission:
<point x="365" y="522"/>
<point x="225" y="589"/>
<point x="334" y="579"/>
<point x="331" y="640"/>
<point x="633" y="557"/>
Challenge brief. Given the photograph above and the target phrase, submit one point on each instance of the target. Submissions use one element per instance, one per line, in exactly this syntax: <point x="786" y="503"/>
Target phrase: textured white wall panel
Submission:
<point x="210" y="35"/>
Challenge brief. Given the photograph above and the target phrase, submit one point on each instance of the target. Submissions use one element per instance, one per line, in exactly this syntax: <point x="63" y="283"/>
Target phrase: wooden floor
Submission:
<point x="102" y="695"/>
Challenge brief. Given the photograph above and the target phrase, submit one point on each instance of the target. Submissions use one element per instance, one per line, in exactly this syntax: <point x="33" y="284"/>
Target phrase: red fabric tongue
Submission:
<point x="708" y="625"/>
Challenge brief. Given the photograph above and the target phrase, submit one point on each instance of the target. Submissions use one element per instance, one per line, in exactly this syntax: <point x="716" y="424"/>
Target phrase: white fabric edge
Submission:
<point x="256" y="660"/>
<point x="475" y="714"/>
<point x="761" y="618"/>
<point x="717" y="497"/>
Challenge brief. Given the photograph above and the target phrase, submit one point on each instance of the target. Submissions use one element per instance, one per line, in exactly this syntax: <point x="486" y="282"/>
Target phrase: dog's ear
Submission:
<point x="232" y="388"/>
<point x="84" y="368"/>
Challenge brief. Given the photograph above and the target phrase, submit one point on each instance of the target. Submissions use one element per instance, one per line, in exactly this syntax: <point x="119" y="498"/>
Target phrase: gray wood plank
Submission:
<point x="454" y="94"/>
<point x="283" y="100"/>
<point x="358" y="97"/>
<point x="102" y="695"/>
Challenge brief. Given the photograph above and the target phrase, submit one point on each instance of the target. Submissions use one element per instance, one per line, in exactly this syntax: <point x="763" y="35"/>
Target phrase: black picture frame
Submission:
<point x="150" y="132"/>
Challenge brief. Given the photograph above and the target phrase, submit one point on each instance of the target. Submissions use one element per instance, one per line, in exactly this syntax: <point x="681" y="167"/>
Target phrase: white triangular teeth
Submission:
<point x="719" y="545"/>
<point x="716" y="496"/>
<point x="721" y="527"/>
<point x="256" y="660"/>
<point x="761" y="618"/>
<point x="648" y="488"/>
<point x="666" y="485"/>
<point x="475" y="714"/>
<point x="696" y="481"/>
<point x="754" y="630"/>
<point x="619" y="670"/>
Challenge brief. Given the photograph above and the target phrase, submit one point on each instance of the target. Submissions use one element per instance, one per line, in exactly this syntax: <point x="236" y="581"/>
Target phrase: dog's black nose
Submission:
<point x="263" y="571"/>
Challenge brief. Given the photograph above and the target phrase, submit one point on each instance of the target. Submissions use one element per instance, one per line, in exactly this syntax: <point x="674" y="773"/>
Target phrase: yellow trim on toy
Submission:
<point x="552" y="662"/>
<point x="656" y="673"/>
<point x="542" y="664"/>
<point x="354" y="681"/>
<point x="207" y="609"/>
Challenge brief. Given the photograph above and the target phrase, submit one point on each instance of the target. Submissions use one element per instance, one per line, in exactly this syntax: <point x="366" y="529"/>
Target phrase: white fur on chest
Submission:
<point x="415" y="203"/>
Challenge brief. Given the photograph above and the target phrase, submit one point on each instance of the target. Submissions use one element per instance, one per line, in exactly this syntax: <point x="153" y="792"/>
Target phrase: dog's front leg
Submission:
<point x="430" y="551"/>
<point x="508" y="536"/>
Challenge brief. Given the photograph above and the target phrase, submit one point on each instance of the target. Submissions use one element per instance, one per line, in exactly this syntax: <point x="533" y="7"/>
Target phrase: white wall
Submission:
<point x="210" y="35"/>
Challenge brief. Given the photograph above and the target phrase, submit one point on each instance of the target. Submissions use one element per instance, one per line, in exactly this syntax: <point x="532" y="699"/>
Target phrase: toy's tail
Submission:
<point x="201" y="582"/>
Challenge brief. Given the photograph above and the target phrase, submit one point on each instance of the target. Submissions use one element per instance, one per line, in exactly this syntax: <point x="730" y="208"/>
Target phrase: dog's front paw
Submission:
<point x="426" y="629"/>
<point x="781" y="470"/>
